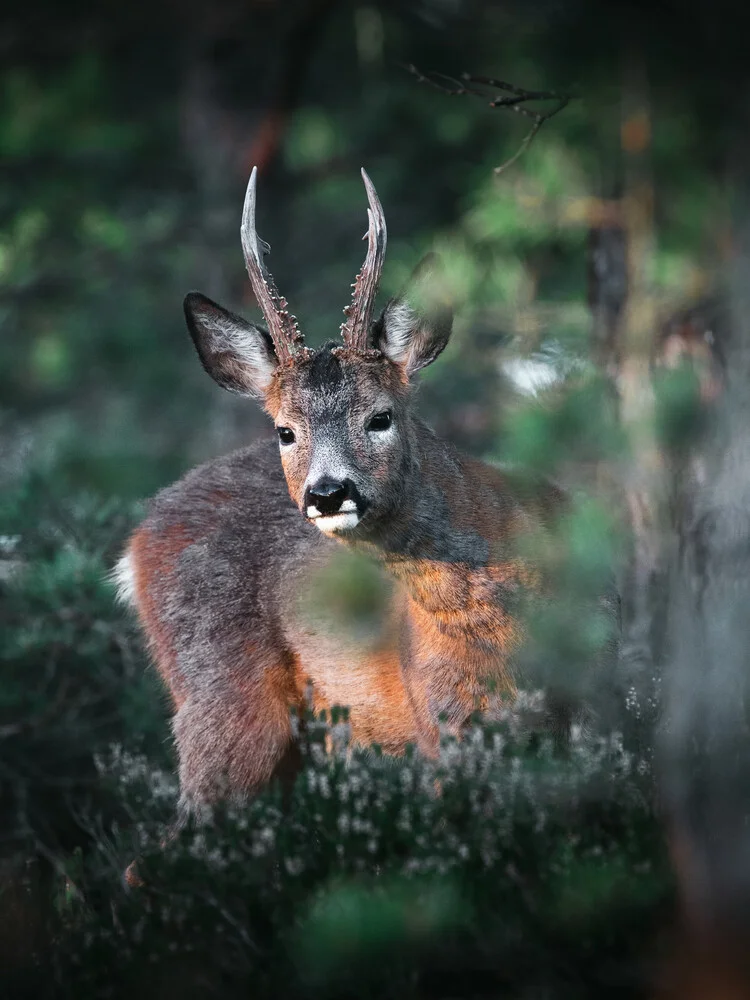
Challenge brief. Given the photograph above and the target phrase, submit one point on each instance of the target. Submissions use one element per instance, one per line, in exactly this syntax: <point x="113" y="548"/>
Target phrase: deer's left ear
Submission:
<point x="414" y="328"/>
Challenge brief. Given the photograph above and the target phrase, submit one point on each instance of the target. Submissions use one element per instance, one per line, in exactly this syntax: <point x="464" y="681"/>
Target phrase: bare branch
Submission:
<point x="515" y="98"/>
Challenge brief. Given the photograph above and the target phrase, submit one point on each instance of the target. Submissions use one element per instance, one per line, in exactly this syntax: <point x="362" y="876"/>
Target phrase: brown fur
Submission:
<point x="154" y="559"/>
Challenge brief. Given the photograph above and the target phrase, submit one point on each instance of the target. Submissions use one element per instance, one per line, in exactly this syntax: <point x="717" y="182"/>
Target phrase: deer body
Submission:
<point x="217" y="600"/>
<point x="220" y="568"/>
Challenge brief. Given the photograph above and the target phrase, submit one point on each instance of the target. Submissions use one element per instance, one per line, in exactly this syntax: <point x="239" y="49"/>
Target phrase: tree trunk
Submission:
<point x="705" y="741"/>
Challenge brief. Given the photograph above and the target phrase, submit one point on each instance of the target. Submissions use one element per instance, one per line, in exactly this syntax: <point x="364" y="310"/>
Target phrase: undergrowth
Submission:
<point x="503" y="869"/>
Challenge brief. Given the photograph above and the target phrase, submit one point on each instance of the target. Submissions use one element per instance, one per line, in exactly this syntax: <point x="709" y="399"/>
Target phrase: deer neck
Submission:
<point x="426" y="534"/>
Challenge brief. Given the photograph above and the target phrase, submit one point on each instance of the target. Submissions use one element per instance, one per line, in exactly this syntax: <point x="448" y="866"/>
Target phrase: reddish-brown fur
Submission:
<point x="154" y="558"/>
<point x="386" y="707"/>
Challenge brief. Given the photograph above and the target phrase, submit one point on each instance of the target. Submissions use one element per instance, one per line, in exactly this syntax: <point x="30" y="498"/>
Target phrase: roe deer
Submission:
<point x="217" y="568"/>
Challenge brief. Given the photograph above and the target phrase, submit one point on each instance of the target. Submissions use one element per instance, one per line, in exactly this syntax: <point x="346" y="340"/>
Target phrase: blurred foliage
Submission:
<point x="124" y="177"/>
<point x="350" y="594"/>
<point x="73" y="677"/>
<point x="680" y="416"/>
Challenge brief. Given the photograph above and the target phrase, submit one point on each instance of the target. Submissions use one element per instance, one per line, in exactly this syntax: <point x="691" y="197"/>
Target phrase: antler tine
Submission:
<point x="282" y="325"/>
<point x="355" y="329"/>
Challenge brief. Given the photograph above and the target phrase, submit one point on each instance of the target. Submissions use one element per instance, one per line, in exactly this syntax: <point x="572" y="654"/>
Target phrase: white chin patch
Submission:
<point x="331" y="523"/>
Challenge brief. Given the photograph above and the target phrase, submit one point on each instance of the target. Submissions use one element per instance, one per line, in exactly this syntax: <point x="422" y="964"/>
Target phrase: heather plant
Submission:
<point x="365" y="878"/>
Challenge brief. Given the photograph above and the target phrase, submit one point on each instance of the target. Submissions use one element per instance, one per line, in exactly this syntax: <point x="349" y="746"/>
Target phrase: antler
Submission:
<point x="282" y="325"/>
<point x="356" y="327"/>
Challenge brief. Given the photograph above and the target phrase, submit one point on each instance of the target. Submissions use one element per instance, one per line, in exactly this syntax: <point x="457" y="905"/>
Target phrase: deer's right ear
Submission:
<point x="235" y="353"/>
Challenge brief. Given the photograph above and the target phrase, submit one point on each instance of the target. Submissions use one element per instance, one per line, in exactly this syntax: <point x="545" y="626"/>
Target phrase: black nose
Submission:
<point x="327" y="496"/>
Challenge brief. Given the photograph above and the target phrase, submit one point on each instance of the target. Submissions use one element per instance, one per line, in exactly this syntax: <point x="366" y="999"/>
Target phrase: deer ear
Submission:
<point x="415" y="327"/>
<point x="235" y="353"/>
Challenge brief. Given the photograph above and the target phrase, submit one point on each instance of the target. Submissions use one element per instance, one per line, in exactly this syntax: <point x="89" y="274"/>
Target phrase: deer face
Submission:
<point x="343" y="423"/>
<point x="342" y="413"/>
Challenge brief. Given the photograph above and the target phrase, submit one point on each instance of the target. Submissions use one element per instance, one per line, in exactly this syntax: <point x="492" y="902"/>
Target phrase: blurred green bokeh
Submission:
<point x="124" y="184"/>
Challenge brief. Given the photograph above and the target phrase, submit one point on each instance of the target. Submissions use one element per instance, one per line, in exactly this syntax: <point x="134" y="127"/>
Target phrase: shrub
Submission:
<point x="528" y="874"/>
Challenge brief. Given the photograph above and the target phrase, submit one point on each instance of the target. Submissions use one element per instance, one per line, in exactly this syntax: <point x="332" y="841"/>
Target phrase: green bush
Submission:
<point x="73" y="677"/>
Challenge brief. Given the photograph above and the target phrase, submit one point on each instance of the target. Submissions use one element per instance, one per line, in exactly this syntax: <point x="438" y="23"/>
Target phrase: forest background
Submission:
<point x="601" y="338"/>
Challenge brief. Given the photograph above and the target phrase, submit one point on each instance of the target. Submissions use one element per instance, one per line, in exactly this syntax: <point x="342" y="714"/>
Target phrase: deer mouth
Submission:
<point x="346" y="518"/>
<point x="334" y="505"/>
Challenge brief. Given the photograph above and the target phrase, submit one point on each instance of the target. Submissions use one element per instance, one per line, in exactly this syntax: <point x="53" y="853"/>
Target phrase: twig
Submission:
<point x="515" y="98"/>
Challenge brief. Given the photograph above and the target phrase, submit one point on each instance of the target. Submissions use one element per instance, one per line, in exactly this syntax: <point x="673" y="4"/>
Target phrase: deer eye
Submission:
<point x="286" y="435"/>
<point x="381" y="421"/>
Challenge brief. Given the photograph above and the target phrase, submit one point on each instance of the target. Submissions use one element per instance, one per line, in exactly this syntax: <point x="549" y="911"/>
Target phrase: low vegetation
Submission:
<point x="528" y="874"/>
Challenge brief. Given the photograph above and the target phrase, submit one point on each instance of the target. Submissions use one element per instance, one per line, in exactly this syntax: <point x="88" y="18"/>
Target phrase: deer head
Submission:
<point x="343" y="413"/>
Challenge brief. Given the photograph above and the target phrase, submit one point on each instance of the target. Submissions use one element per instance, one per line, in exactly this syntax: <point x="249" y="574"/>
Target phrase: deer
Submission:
<point x="217" y="569"/>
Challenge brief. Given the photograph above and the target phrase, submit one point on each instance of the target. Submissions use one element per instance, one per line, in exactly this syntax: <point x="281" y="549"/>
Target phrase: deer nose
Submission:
<point x="326" y="496"/>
